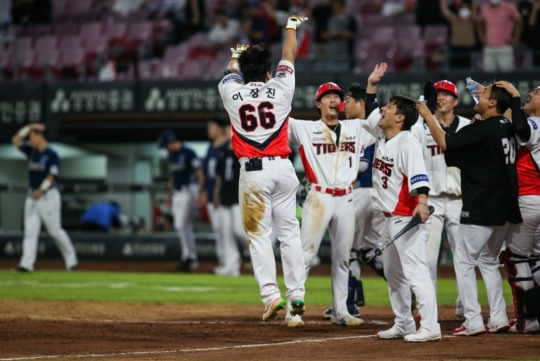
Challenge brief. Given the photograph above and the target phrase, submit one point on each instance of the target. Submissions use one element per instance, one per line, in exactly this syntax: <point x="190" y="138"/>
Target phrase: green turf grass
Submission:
<point x="185" y="288"/>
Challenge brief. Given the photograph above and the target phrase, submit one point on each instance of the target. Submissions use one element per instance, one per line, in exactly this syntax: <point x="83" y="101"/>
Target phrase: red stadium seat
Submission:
<point x="166" y="71"/>
<point x="138" y="33"/>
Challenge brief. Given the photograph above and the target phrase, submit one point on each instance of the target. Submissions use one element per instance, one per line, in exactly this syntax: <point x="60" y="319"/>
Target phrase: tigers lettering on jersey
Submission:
<point x="434" y="149"/>
<point x="384" y="167"/>
<point x="323" y="148"/>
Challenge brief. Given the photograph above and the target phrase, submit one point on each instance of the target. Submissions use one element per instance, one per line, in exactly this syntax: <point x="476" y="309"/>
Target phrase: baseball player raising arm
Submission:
<point x="401" y="184"/>
<point x="259" y="107"/>
<point x="330" y="150"/>
<point x="43" y="203"/>
<point x="445" y="182"/>
<point x="485" y="152"/>
<point x="522" y="254"/>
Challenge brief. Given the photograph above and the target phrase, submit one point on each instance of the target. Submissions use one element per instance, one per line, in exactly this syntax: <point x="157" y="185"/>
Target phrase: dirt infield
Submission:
<point x="64" y="330"/>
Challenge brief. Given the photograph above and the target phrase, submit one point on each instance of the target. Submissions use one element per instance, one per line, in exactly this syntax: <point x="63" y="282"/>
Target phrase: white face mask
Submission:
<point x="495" y="2"/>
<point x="464" y="13"/>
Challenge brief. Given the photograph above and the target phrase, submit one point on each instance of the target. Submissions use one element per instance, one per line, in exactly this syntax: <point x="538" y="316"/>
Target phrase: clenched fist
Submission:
<point x="240" y="48"/>
<point x="294" y="22"/>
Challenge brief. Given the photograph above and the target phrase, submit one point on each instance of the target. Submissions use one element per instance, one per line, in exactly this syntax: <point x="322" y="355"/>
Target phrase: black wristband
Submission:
<point x="227" y="72"/>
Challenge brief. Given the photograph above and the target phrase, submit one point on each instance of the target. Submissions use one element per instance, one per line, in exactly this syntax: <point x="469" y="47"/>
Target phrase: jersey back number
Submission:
<point x="251" y="117"/>
<point x="509" y="147"/>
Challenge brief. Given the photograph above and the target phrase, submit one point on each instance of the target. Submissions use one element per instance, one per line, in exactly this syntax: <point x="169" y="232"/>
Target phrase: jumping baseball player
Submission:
<point x="43" y="203"/>
<point x="259" y="106"/>
<point x="445" y="182"/>
<point x="485" y="152"/>
<point x="216" y="130"/>
<point x="183" y="166"/>
<point x="518" y="257"/>
<point x="330" y="150"/>
<point x="368" y="223"/>
<point x="401" y="184"/>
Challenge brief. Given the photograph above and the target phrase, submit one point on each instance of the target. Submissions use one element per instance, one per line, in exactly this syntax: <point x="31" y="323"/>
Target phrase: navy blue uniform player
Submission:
<point x="183" y="166"/>
<point x="217" y="133"/>
<point x="43" y="203"/>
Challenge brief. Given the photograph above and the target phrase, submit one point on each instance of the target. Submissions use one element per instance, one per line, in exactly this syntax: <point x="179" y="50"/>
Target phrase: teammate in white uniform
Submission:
<point x="445" y="182"/>
<point x="401" y="182"/>
<point x="330" y="150"/>
<point x="259" y="107"/>
<point x="43" y="204"/>
<point x="485" y="153"/>
<point x="358" y="102"/>
<point x="518" y="256"/>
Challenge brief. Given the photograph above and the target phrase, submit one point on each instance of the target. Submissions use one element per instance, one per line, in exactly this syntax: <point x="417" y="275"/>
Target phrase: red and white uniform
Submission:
<point x="444" y="193"/>
<point x="523" y="238"/>
<point x="331" y="166"/>
<point x="259" y="119"/>
<point x="398" y="170"/>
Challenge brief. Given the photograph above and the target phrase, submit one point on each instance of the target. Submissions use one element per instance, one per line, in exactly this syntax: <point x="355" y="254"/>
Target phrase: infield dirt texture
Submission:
<point x="98" y="330"/>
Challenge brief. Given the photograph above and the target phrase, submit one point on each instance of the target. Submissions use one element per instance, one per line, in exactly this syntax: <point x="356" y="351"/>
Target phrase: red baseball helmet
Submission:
<point x="329" y="87"/>
<point x="448" y="86"/>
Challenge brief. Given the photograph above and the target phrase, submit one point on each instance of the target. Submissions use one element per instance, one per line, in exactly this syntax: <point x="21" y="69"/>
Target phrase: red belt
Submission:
<point x="336" y="192"/>
<point x="386" y="214"/>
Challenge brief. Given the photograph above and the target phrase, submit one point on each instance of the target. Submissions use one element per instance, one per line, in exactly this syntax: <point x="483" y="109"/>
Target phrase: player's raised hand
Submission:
<point x="240" y="48"/>
<point x="377" y="74"/>
<point x="294" y="22"/>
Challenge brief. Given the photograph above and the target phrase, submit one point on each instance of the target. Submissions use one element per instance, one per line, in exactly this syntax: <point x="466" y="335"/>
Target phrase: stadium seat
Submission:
<point x="192" y="69"/>
<point x="139" y="33"/>
<point x="166" y="70"/>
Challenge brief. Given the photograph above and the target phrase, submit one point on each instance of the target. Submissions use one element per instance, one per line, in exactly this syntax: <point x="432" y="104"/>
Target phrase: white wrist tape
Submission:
<point x="24" y="131"/>
<point x="46" y="184"/>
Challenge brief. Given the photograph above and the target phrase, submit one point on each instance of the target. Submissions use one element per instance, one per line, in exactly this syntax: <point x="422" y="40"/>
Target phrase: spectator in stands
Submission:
<point x="224" y="31"/>
<point x="319" y="15"/>
<point x="269" y="11"/>
<point x="428" y="12"/>
<point x="102" y="217"/>
<point x="254" y="25"/>
<point x="530" y="14"/>
<point x="499" y="28"/>
<point x="187" y="16"/>
<point x="462" y="40"/>
<point x="341" y="33"/>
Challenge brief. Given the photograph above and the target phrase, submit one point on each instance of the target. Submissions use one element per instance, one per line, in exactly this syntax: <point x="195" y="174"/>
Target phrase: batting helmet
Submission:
<point x="165" y="137"/>
<point x="448" y="86"/>
<point x="327" y="88"/>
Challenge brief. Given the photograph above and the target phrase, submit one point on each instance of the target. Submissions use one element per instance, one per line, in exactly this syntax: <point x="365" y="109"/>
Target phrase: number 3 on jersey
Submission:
<point x="251" y="118"/>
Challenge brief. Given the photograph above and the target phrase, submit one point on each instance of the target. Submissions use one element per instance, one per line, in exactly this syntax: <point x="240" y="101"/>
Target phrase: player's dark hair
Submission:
<point x="356" y="91"/>
<point x="255" y="62"/>
<point x="503" y="98"/>
<point x="405" y="106"/>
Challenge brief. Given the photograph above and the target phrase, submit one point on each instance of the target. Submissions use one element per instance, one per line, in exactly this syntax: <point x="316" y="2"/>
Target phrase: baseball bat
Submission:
<point x="412" y="223"/>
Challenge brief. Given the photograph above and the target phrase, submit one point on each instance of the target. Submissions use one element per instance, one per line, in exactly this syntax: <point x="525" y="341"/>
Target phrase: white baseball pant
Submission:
<point x="368" y="225"/>
<point x="231" y="231"/>
<point x="480" y="245"/>
<point x="405" y="268"/>
<point x="268" y="198"/>
<point x="46" y="209"/>
<point x="322" y="211"/>
<point x="182" y="205"/>
<point x="215" y="222"/>
<point x="447" y="213"/>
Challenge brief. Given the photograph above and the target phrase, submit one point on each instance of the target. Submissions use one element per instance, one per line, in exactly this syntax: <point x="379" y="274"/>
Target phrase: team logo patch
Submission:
<point x="533" y="124"/>
<point x="419" y="178"/>
<point x="232" y="78"/>
<point x="286" y="68"/>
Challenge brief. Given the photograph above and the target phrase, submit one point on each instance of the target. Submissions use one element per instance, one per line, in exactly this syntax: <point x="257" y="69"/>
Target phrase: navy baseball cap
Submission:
<point x="165" y="137"/>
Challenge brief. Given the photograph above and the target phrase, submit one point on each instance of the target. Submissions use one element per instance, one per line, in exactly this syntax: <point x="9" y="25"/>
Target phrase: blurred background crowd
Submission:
<point x="189" y="39"/>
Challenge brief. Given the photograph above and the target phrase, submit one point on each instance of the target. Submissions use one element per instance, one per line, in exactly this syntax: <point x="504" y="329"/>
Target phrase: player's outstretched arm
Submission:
<point x="289" y="46"/>
<point x="438" y="134"/>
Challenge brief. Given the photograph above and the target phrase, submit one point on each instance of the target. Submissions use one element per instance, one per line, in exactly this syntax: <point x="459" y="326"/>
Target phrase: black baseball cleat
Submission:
<point x="188" y="265"/>
<point x="72" y="268"/>
<point x="21" y="269"/>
